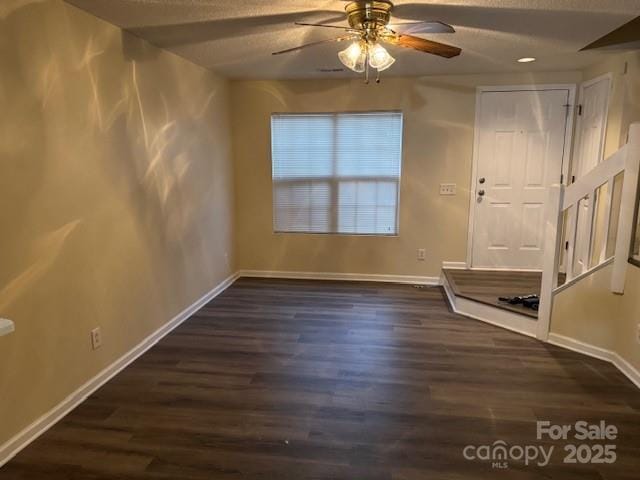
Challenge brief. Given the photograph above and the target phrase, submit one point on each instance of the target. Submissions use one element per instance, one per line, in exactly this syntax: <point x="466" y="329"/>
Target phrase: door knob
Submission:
<point x="481" y="180"/>
<point x="481" y="193"/>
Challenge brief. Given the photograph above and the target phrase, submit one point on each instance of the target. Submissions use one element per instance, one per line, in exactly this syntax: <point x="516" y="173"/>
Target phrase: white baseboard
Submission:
<point x="356" y="277"/>
<point x="485" y="313"/>
<point x="607" y="355"/>
<point x="455" y="265"/>
<point x="13" y="446"/>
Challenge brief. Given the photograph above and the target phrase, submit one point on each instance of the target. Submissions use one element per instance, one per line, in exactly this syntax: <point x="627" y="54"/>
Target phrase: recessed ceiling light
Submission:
<point x="526" y="60"/>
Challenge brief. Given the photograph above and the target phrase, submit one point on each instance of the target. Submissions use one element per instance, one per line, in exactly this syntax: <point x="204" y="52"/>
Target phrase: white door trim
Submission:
<point x="566" y="156"/>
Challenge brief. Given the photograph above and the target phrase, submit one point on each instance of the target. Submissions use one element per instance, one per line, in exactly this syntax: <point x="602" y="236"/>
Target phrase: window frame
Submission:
<point x="334" y="181"/>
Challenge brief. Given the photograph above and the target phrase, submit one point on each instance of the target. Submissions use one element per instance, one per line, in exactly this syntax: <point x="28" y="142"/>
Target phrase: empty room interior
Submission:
<point x="319" y="240"/>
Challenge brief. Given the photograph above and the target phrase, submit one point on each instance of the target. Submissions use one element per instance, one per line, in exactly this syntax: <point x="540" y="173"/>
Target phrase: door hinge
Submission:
<point x="579" y="110"/>
<point x="573" y="179"/>
<point x="566" y="245"/>
<point x="561" y="177"/>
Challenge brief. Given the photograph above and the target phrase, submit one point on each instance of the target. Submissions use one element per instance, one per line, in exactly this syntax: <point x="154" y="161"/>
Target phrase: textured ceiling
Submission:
<point x="236" y="38"/>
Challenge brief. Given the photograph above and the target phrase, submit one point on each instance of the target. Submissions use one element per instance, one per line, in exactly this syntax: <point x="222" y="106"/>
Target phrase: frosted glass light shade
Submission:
<point x="379" y="58"/>
<point x="354" y="57"/>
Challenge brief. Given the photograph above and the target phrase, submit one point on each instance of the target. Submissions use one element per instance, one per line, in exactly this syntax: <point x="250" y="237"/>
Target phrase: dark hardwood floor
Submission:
<point x="279" y="379"/>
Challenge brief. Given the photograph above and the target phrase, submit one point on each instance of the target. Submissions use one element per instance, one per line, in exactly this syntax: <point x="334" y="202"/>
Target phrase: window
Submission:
<point x="336" y="173"/>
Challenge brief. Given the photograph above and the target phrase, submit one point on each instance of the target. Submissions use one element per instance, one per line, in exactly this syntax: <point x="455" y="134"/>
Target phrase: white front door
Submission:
<point x="588" y="152"/>
<point x="520" y="148"/>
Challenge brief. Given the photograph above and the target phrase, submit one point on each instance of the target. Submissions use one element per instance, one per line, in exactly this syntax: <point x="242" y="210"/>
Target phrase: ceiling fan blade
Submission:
<point x="421" y="27"/>
<point x="422" y="45"/>
<point x="313" y="44"/>
<point x="323" y="25"/>
<point x="626" y="34"/>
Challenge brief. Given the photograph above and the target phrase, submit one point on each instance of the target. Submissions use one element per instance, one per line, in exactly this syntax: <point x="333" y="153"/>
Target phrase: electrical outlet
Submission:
<point x="96" y="338"/>
<point x="448" y="189"/>
<point x="422" y="254"/>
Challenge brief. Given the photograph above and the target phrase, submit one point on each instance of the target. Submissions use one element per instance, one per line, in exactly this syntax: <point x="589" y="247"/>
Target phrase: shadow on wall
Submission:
<point x="115" y="193"/>
<point x="106" y="141"/>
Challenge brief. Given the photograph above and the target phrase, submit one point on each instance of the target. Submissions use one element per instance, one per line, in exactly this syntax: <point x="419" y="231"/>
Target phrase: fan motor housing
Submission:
<point x="369" y="14"/>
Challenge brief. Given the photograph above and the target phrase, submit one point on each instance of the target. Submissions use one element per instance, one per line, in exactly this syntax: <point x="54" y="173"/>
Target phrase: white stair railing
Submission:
<point x="563" y="209"/>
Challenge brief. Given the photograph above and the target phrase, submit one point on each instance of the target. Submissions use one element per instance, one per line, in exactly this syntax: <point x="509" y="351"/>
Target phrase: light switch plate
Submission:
<point x="96" y="338"/>
<point x="448" y="189"/>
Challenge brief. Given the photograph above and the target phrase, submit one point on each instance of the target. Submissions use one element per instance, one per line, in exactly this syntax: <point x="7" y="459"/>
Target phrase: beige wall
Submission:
<point x="438" y="141"/>
<point x="588" y="311"/>
<point x="115" y="197"/>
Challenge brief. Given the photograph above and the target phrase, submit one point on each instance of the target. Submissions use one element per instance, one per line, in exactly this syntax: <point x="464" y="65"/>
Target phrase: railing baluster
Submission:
<point x="608" y="206"/>
<point x="589" y="225"/>
<point x="571" y="238"/>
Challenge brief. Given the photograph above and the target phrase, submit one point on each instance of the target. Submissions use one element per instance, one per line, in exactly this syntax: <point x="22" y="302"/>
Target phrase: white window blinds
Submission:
<point x="336" y="173"/>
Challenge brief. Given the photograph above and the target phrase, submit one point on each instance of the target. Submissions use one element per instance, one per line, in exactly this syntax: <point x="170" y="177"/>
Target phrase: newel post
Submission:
<point x="552" y="241"/>
<point x="628" y="201"/>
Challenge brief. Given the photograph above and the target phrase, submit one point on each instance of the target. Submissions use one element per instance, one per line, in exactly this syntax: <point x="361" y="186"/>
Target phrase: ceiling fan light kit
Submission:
<point x="360" y="54"/>
<point x="369" y="28"/>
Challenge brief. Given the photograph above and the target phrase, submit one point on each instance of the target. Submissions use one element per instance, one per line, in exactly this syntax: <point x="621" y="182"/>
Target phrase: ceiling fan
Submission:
<point x="370" y="27"/>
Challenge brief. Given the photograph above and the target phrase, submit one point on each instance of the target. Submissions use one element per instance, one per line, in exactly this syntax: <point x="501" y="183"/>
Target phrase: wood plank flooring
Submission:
<point x="284" y="379"/>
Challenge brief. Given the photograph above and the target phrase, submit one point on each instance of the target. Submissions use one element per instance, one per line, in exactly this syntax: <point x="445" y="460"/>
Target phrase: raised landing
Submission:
<point x="485" y="286"/>
<point x="474" y="293"/>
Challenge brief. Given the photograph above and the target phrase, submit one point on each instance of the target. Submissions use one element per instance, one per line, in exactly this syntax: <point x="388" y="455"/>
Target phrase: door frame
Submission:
<point x="566" y="155"/>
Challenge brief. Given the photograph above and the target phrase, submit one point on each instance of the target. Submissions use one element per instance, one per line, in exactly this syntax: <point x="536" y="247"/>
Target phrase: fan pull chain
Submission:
<point x="366" y="71"/>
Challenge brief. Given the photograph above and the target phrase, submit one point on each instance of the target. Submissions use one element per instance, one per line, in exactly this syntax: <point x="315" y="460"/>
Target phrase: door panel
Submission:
<point x="520" y="150"/>
<point x="531" y="219"/>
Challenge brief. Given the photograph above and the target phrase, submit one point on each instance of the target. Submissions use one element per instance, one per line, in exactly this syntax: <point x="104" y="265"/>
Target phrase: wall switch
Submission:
<point x="96" y="338"/>
<point x="422" y="254"/>
<point x="448" y="189"/>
